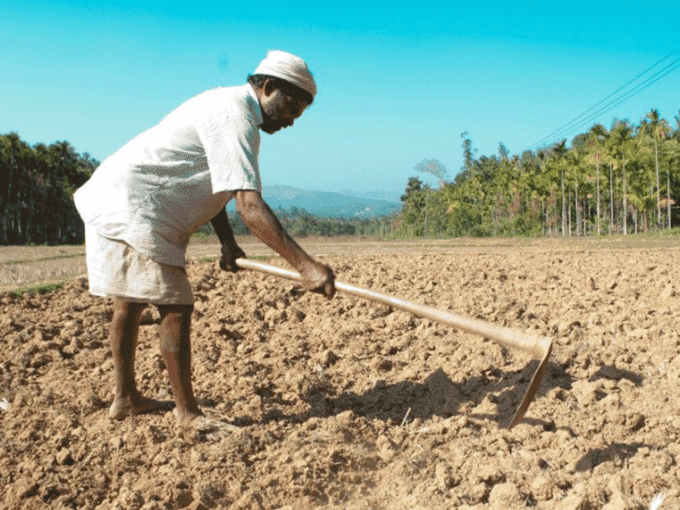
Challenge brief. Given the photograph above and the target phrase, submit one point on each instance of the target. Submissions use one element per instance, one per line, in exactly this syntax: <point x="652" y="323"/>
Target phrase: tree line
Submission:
<point x="36" y="199"/>
<point x="619" y="180"/>
<point x="36" y="191"/>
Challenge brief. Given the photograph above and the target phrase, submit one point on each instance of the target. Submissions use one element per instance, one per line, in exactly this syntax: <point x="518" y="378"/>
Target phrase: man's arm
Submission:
<point x="230" y="250"/>
<point x="262" y="222"/>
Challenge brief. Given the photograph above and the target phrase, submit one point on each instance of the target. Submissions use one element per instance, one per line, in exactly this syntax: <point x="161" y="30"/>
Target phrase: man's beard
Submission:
<point x="270" y="126"/>
<point x="271" y="123"/>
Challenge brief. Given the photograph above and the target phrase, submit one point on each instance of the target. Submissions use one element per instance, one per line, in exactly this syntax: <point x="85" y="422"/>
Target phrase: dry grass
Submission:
<point x="31" y="266"/>
<point x="19" y="254"/>
<point x="39" y="270"/>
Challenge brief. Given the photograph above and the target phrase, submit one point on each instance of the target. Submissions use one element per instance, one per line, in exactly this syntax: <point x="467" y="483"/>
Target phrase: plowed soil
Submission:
<point x="348" y="404"/>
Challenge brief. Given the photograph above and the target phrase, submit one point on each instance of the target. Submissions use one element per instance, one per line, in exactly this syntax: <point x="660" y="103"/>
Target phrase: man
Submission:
<point x="142" y="204"/>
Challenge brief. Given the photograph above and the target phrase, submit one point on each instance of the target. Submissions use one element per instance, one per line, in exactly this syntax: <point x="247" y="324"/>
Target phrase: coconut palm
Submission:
<point x="673" y="151"/>
<point x="642" y="178"/>
<point x="559" y="151"/>
<point x="575" y="171"/>
<point x="656" y="128"/>
<point x="622" y="149"/>
<point x="596" y="135"/>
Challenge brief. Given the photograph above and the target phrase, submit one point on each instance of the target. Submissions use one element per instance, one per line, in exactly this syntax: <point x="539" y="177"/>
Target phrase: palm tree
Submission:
<point x="611" y="195"/>
<point x="597" y="133"/>
<point x="641" y="184"/>
<point x="657" y="128"/>
<point x="622" y="149"/>
<point x="574" y="161"/>
<point x="673" y="147"/>
<point x="559" y="150"/>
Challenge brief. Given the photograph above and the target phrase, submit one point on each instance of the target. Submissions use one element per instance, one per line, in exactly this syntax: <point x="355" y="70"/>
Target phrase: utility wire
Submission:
<point x="569" y="126"/>
<point x="603" y="100"/>
<point x="634" y="91"/>
<point x="639" y="88"/>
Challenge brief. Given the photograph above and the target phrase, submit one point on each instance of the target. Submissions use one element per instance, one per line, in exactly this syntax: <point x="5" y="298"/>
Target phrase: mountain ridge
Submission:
<point x="328" y="203"/>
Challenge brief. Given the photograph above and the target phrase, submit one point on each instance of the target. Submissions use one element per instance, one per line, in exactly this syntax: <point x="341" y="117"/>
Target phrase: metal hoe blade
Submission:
<point x="538" y="347"/>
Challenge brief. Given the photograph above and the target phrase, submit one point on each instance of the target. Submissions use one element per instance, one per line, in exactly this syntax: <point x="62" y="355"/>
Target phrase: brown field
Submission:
<point x="346" y="404"/>
<point x="28" y="266"/>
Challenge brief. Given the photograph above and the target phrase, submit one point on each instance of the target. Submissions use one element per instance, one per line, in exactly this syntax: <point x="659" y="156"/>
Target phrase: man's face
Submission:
<point x="279" y="110"/>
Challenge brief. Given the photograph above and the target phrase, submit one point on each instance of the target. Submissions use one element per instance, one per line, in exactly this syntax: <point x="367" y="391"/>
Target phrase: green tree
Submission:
<point x="656" y="128"/>
<point x="414" y="185"/>
<point x="435" y="168"/>
<point x="622" y="149"/>
<point x="36" y="191"/>
<point x="468" y="157"/>
<point x="559" y="151"/>
<point x="596" y="135"/>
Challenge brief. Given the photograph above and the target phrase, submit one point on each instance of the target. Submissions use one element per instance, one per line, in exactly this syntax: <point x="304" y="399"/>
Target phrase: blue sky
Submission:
<point x="397" y="84"/>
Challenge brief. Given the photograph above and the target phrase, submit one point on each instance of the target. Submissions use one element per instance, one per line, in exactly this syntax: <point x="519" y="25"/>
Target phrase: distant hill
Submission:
<point x="327" y="204"/>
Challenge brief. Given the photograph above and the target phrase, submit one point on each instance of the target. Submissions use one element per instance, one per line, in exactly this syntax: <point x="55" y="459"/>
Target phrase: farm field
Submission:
<point x="347" y="404"/>
<point x="27" y="266"/>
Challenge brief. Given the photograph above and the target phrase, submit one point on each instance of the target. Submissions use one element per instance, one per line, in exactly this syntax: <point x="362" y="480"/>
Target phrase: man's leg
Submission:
<point x="175" y="344"/>
<point x="123" y="333"/>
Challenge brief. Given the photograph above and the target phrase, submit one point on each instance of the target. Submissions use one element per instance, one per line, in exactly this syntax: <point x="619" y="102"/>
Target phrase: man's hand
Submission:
<point x="230" y="250"/>
<point x="229" y="255"/>
<point x="262" y="222"/>
<point x="318" y="277"/>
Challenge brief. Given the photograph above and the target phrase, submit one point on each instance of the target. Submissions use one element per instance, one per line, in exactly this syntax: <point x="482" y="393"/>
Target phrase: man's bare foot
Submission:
<point x="186" y="417"/>
<point x="205" y="426"/>
<point x="126" y="407"/>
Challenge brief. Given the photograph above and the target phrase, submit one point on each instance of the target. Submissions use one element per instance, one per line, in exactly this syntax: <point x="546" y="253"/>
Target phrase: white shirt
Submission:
<point x="170" y="180"/>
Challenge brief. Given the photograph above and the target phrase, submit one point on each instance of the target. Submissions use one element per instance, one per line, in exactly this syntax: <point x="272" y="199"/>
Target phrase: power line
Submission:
<point x="570" y="126"/>
<point x="603" y="100"/>
<point x="639" y="88"/>
<point x="634" y="91"/>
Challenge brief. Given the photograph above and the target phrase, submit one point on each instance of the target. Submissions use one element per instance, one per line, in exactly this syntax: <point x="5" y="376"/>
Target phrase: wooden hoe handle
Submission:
<point x="537" y="347"/>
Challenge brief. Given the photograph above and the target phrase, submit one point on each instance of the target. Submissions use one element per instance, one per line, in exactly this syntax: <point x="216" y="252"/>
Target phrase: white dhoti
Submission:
<point x="117" y="270"/>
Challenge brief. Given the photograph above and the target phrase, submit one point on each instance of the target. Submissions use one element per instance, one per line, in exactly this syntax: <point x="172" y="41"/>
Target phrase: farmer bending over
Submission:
<point x="143" y="203"/>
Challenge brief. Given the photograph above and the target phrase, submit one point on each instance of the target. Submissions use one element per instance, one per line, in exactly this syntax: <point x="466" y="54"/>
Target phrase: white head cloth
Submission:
<point x="288" y="67"/>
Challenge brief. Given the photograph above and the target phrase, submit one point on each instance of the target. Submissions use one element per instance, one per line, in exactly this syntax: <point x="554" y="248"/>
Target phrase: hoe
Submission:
<point x="537" y="347"/>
